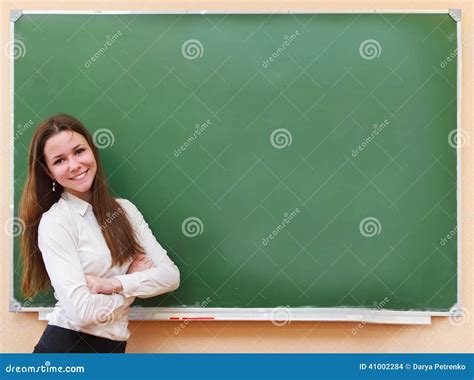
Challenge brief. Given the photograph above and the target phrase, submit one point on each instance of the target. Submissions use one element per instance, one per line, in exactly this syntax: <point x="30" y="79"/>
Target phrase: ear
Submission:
<point x="50" y="175"/>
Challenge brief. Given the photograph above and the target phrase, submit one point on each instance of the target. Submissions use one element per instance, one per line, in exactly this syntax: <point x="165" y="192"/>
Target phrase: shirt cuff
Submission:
<point x="129" y="285"/>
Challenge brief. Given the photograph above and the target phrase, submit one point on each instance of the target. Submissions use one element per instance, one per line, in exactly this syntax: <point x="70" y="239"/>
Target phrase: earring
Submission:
<point x="54" y="185"/>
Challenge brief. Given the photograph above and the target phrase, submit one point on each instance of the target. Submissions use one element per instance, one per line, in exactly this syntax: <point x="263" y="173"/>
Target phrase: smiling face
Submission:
<point x="71" y="162"/>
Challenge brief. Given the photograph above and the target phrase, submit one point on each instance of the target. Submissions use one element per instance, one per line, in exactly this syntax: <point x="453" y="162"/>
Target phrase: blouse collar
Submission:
<point x="77" y="203"/>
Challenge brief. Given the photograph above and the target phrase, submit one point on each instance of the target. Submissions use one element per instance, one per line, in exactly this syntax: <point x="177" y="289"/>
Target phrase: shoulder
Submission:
<point x="58" y="218"/>
<point x="58" y="213"/>
<point x="128" y="207"/>
<point x="125" y="203"/>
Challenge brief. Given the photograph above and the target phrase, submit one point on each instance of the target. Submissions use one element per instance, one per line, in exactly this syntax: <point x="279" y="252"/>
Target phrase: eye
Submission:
<point x="80" y="150"/>
<point x="57" y="161"/>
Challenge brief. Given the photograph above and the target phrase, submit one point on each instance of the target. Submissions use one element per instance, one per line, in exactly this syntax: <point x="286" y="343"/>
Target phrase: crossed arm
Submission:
<point x="85" y="297"/>
<point x="99" y="285"/>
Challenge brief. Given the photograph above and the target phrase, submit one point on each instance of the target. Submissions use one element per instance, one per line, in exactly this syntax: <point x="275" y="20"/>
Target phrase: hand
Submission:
<point x="141" y="263"/>
<point x="98" y="285"/>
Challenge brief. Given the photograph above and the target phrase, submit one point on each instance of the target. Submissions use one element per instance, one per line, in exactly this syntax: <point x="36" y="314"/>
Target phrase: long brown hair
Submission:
<point x="38" y="197"/>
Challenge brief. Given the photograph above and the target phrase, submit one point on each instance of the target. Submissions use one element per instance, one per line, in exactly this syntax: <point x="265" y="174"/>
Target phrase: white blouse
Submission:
<point x="72" y="245"/>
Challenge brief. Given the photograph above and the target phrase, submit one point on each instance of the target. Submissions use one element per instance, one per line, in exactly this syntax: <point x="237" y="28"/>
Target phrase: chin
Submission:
<point x="82" y="189"/>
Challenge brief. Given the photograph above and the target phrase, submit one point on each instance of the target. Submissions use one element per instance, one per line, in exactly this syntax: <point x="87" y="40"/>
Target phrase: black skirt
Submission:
<point x="60" y="340"/>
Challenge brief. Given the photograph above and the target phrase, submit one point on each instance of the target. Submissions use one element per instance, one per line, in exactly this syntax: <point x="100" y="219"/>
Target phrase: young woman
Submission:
<point x="97" y="252"/>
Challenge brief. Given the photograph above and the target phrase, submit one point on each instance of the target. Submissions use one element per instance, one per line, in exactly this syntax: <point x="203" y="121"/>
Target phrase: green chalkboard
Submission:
<point x="303" y="160"/>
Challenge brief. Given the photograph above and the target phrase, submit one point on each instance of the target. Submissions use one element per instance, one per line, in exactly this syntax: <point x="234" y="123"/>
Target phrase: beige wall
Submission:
<point x="20" y="332"/>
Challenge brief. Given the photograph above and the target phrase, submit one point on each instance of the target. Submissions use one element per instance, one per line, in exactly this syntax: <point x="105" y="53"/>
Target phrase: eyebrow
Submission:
<point x="59" y="155"/>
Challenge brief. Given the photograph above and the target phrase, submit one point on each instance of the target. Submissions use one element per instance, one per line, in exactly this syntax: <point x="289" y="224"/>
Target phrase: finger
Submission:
<point x="139" y="257"/>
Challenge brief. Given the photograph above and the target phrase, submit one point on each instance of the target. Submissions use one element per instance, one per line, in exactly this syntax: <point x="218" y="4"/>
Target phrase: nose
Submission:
<point x="74" y="165"/>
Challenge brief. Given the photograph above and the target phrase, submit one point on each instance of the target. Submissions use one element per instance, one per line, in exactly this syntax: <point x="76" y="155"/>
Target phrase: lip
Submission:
<point x="78" y="180"/>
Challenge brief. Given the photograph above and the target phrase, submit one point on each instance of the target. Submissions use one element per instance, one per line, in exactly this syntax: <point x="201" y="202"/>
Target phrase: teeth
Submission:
<point x="80" y="176"/>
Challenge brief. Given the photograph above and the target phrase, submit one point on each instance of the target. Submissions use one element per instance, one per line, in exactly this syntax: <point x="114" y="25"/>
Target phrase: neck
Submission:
<point x="84" y="196"/>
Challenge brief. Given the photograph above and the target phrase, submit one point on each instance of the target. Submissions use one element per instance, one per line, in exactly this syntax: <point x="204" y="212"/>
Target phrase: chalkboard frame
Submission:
<point x="278" y="315"/>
